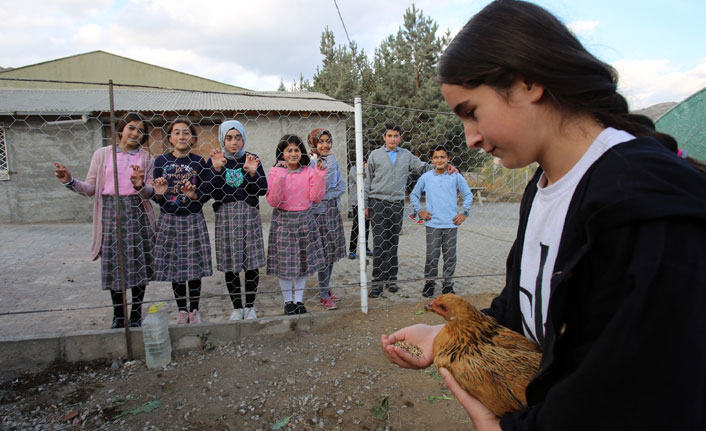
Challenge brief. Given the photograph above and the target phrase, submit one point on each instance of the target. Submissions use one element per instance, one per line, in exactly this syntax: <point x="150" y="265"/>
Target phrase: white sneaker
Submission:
<point x="194" y="317"/>
<point x="237" y="314"/>
<point x="250" y="313"/>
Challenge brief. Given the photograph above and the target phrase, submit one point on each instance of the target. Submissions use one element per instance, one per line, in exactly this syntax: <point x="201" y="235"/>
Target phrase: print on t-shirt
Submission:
<point x="175" y="175"/>
<point x="234" y="177"/>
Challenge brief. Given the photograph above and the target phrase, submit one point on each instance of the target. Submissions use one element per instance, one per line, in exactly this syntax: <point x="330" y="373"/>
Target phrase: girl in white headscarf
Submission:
<point x="238" y="181"/>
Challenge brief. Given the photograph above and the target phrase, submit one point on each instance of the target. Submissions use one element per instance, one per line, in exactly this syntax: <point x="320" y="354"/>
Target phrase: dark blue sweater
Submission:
<point x="175" y="169"/>
<point x="234" y="184"/>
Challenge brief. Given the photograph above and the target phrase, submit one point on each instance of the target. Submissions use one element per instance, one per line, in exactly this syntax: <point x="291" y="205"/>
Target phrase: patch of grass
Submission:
<point x="381" y="410"/>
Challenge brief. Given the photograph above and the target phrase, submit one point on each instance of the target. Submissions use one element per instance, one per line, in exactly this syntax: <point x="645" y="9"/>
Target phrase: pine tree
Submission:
<point x="345" y="72"/>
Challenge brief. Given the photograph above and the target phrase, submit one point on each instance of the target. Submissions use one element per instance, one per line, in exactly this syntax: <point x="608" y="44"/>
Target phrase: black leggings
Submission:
<point x="194" y="294"/>
<point x="252" y="279"/>
<point x="138" y="295"/>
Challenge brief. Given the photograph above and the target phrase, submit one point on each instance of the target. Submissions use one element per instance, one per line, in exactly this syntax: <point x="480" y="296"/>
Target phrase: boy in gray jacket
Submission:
<point x="385" y="182"/>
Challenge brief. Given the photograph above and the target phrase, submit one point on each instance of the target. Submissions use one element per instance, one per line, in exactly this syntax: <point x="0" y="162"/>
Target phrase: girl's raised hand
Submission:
<point x="189" y="189"/>
<point x="160" y="186"/>
<point x="137" y="177"/>
<point x="251" y="163"/>
<point x="282" y="164"/>
<point x="218" y="159"/>
<point x="62" y="173"/>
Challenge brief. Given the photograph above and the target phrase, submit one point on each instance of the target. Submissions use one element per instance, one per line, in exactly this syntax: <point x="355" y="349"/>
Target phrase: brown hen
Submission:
<point x="489" y="361"/>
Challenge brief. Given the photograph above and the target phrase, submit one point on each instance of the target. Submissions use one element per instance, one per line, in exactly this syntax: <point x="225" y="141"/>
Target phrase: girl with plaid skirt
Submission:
<point x="327" y="213"/>
<point x="183" y="249"/>
<point x="238" y="180"/>
<point x="136" y="214"/>
<point x="294" y="248"/>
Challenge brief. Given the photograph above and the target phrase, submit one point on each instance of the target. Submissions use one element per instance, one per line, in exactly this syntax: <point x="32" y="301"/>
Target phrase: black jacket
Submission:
<point x="625" y="344"/>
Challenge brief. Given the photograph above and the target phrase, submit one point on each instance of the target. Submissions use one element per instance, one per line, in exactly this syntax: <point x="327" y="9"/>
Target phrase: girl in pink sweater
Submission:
<point x="294" y="250"/>
<point x="134" y="189"/>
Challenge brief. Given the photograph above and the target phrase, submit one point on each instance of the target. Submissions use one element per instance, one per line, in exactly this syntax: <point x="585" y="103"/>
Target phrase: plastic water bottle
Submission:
<point x="155" y="334"/>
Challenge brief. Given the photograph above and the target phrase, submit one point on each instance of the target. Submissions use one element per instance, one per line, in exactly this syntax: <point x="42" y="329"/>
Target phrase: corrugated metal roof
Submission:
<point x="47" y="101"/>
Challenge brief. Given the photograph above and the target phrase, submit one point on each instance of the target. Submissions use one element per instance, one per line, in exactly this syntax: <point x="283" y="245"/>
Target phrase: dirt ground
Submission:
<point x="335" y="379"/>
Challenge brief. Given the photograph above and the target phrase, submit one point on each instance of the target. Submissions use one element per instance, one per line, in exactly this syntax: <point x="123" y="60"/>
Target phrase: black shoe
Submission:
<point x="136" y="318"/>
<point x="290" y="309"/>
<point x="375" y="292"/>
<point x="392" y="288"/>
<point x="118" y="322"/>
<point x="301" y="309"/>
<point x="446" y="290"/>
<point x="369" y="252"/>
<point x="428" y="292"/>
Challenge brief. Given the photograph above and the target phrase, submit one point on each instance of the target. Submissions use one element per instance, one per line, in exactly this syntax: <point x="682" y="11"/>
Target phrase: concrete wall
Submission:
<point x="34" y="195"/>
<point x="31" y="354"/>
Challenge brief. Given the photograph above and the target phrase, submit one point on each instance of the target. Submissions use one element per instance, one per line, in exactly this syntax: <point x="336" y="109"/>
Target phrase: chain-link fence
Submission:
<point x="235" y="206"/>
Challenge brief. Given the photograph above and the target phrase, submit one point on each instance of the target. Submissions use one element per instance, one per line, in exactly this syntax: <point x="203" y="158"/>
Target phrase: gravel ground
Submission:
<point x="330" y="379"/>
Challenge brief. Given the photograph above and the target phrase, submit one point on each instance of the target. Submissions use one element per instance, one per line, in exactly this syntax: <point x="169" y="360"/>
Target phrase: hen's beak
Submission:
<point x="429" y="306"/>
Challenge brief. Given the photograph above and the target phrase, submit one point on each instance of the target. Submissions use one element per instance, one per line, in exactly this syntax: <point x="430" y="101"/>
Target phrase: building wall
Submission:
<point x="34" y="195"/>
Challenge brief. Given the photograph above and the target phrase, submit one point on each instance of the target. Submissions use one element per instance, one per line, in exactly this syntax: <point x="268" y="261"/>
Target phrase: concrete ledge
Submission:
<point x="31" y="353"/>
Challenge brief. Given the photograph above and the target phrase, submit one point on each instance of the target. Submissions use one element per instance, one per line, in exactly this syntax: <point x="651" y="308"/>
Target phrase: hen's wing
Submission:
<point x="509" y="339"/>
<point x="496" y="376"/>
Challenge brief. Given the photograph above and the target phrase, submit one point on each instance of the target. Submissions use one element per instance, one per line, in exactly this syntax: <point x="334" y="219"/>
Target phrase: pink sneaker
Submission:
<point x="328" y="303"/>
<point x="335" y="297"/>
<point x="183" y="318"/>
<point x="194" y="317"/>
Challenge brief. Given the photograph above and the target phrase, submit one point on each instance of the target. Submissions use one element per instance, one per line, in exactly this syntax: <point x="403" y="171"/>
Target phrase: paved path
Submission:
<point x="46" y="267"/>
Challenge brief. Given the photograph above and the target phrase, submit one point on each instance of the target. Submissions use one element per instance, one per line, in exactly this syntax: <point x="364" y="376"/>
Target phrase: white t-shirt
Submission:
<point x="543" y="234"/>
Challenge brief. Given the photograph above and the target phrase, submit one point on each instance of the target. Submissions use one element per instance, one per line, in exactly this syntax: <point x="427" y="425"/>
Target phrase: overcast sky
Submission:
<point x="657" y="46"/>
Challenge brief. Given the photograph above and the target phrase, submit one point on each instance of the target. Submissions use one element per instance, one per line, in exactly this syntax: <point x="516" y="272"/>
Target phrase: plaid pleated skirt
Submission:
<point x="331" y="231"/>
<point x="183" y="249"/>
<point x="138" y="244"/>
<point x="239" y="242"/>
<point x="294" y="247"/>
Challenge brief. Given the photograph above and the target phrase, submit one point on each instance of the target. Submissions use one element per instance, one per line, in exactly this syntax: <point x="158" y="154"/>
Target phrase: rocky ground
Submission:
<point x="333" y="379"/>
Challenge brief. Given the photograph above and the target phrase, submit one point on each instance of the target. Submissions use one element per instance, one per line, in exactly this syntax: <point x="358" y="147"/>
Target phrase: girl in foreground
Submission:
<point x="606" y="274"/>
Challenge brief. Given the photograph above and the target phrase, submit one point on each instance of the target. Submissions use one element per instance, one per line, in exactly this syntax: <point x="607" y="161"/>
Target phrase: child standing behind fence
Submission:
<point x="238" y="181"/>
<point x="441" y="216"/>
<point x="183" y="249"/>
<point x="294" y="248"/>
<point x="137" y="216"/>
<point x="353" y="205"/>
<point x="327" y="213"/>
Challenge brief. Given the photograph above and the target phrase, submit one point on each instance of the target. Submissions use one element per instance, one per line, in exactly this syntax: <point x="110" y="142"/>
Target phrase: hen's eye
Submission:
<point x="443" y="307"/>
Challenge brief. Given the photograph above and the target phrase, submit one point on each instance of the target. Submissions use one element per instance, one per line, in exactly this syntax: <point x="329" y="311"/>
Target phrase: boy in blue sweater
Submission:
<point x="441" y="216"/>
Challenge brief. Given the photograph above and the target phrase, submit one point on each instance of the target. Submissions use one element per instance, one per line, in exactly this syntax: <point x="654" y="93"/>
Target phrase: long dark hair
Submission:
<point x="511" y="37"/>
<point x="129" y="118"/>
<point x="284" y="141"/>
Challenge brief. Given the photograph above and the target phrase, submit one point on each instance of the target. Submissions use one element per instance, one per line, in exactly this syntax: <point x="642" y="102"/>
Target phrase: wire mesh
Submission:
<point x="194" y="215"/>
